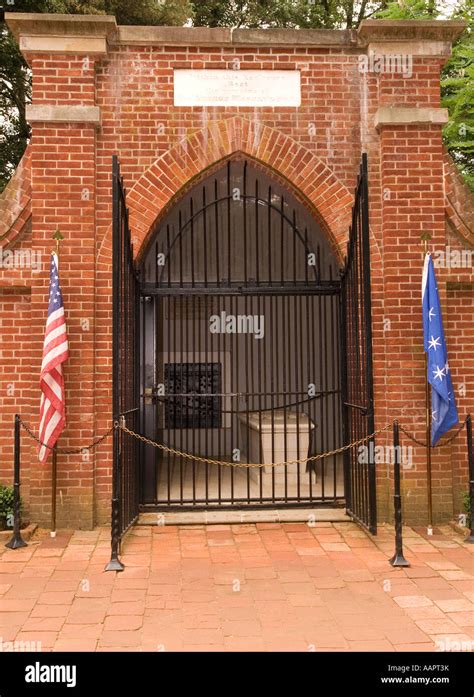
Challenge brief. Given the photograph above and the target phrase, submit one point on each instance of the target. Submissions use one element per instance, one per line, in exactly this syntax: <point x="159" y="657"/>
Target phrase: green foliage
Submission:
<point x="15" y="76"/>
<point x="6" y="505"/>
<point x="457" y="92"/>
<point x="410" y="9"/>
<point x="171" y="12"/>
<point x="151" y="12"/>
<point x="15" y="89"/>
<point x="325" y="14"/>
<point x="457" y="78"/>
<point x="466" y="500"/>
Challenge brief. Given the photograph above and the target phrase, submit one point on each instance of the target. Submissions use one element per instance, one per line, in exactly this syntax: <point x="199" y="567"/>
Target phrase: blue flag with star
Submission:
<point x="444" y="413"/>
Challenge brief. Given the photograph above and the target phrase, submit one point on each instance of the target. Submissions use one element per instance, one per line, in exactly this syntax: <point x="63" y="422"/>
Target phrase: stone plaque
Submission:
<point x="237" y="88"/>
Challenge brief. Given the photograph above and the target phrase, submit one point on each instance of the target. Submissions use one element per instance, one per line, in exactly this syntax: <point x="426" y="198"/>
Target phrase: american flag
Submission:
<point x="55" y="352"/>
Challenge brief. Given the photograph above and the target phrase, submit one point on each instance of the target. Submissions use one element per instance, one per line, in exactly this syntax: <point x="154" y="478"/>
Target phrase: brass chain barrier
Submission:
<point x="225" y="463"/>
<point x="68" y="451"/>
<point x="438" y="445"/>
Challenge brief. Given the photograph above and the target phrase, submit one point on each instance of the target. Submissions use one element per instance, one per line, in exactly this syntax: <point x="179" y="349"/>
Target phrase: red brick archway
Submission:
<point x="307" y="175"/>
<point x="327" y="196"/>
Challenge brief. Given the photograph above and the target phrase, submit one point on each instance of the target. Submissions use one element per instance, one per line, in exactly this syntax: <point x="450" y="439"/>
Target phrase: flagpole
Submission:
<point x="54" y="469"/>
<point x="428" y="449"/>
<point x="54" y="472"/>
<point x="425" y="238"/>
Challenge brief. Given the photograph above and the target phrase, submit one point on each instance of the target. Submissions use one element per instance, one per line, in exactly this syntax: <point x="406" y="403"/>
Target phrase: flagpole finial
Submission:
<point x="425" y="238"/>
<point x="58" y="236"/>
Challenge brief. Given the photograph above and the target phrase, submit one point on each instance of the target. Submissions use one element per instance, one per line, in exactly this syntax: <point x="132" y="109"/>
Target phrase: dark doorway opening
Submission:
<point x="240" y="333"/>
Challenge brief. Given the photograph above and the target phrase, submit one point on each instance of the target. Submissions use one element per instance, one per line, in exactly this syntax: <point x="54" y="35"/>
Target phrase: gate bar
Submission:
<point x="114" y="563"/>
<point x="320" y="288"/>
<point x="368" y="333"/>
<point x="125" y="308"/>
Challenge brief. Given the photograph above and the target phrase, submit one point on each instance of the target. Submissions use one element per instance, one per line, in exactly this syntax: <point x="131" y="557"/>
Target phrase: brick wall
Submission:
<point x="161" y="148"/>
<point x="63" y="162"/>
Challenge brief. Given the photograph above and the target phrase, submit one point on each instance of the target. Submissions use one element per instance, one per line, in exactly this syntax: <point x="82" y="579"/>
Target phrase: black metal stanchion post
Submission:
<point x="16" y="541"/>
<point x="398" y="559"/>
<point x="115" y="564"/>
<point x="470" y="460"/>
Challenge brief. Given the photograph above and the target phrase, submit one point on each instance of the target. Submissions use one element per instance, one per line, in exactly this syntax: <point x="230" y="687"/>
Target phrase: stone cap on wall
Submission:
<point x="59" y="113"/>
<point x="204" y="36"/>
<point x="60" y="33"/>
<point x="409" y="116"/>
<point x="371" y="30"/>
<point x="64" y="32"/>
<point x="52" y="24"/>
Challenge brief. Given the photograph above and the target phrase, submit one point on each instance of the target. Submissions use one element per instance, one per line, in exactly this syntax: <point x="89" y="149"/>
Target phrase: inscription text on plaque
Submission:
<point x="237" y="88"/>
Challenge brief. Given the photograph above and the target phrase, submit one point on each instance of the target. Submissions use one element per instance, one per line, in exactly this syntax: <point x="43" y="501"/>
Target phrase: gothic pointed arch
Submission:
<point x="323" y="192"/>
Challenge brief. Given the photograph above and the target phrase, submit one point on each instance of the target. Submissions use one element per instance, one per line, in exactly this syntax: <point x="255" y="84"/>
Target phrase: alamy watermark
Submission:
<point x="385" y="454"/>
<point x="19" y="645"/>
<point x="447" y="643"/>
<point x="237" y="324"/>
<point x="378" y="63"/>
<point x="42" y="673"/>
<point x="20" y="259"/>
<point x="449" y="258"/>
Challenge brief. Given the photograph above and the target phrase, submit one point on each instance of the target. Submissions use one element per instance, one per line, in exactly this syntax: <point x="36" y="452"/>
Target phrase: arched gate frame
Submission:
<point x="250" y="346"/>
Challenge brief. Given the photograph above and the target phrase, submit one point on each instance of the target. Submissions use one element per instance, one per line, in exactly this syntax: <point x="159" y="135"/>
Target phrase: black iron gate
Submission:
<point x="241" y="343"/>
<point x="240" y="337"/>
<point x="125" y="388"/>
<point x="357" y="380"/>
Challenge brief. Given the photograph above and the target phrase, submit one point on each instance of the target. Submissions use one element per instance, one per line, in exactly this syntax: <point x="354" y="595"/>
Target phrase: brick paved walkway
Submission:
<point x="258" y="587"/>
